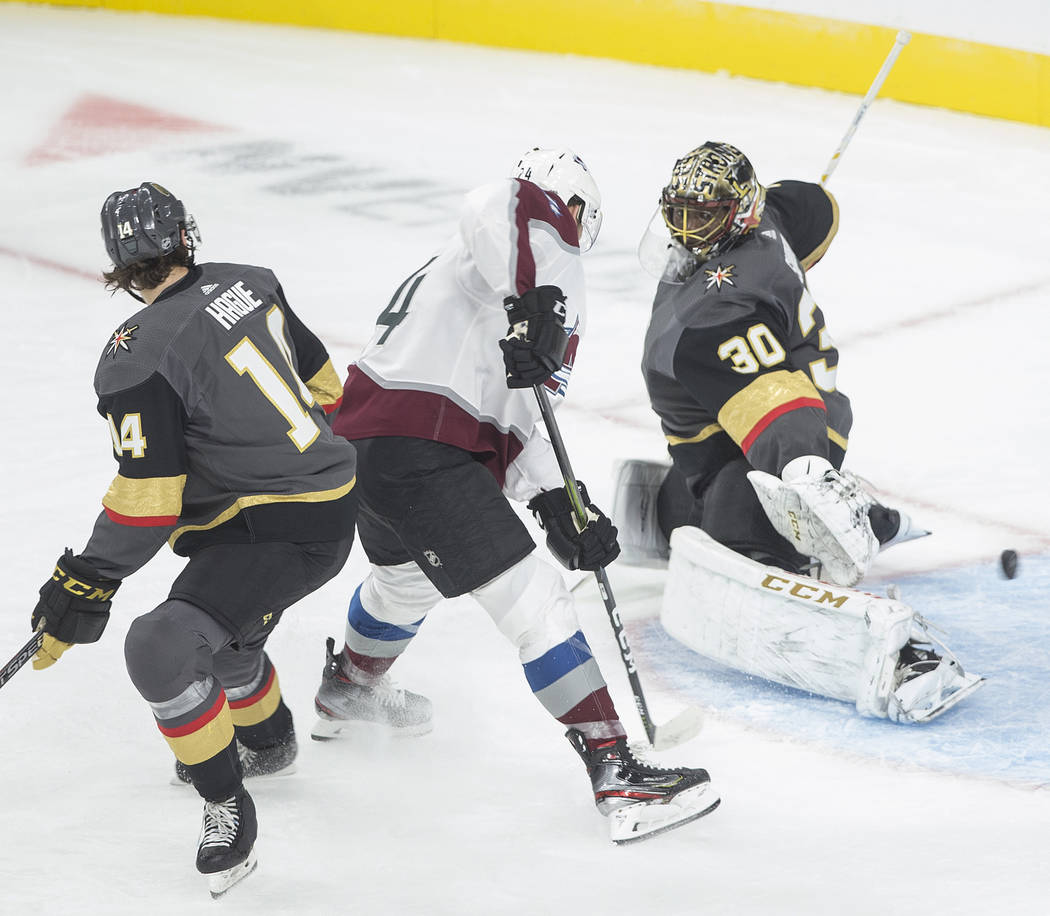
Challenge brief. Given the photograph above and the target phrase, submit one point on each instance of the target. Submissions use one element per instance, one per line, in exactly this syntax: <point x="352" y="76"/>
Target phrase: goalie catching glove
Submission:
<point x="536" y="340"/>
<point x="74" y="606"/>
<point x="589" y="548"/>
<point x="822" y="513"/>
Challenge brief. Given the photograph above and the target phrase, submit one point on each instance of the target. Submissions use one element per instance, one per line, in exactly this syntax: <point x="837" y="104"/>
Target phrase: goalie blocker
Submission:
<point x="829" y="640"/>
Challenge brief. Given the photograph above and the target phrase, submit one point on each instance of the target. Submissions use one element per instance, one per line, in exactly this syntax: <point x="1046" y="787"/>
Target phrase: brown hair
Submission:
<point x="149" y="273"/>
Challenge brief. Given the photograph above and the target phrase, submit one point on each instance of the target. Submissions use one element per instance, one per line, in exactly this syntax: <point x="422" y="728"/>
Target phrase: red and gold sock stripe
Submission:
<point x="204" y="736"/>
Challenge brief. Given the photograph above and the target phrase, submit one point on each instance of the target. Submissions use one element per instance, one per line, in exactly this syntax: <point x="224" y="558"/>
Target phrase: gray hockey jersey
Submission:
<point x="216" y="398"/>
<point x="738" y="358"/>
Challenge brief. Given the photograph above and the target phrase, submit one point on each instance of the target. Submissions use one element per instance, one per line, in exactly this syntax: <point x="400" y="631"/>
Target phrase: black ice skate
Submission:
<point x="226" y="851"/>
<point x="342" y="705"/>
<point x="276" y="760"/>
<point x="642" y="801"/>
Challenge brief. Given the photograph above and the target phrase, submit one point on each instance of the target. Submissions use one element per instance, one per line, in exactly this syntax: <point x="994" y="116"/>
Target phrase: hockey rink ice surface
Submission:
<point x="338" y="160"/>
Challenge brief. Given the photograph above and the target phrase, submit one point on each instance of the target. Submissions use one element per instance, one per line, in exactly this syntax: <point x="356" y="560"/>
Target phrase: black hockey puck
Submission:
<point x="1008" y="563"/>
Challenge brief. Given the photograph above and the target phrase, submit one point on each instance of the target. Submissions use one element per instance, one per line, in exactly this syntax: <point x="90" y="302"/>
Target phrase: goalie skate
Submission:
<point x="927" y="683"/>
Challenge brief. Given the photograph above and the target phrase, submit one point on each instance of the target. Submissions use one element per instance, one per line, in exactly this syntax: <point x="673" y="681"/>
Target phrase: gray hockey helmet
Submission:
<point x="144" y="222"/>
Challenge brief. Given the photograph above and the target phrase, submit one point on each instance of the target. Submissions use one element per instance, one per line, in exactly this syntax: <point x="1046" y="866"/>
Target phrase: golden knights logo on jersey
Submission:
<point x="120" y="340"/>
<point x="720" y="275"/>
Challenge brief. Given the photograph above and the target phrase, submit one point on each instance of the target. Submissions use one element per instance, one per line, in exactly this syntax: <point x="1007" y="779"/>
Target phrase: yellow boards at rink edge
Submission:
<point x="763" y="44"/>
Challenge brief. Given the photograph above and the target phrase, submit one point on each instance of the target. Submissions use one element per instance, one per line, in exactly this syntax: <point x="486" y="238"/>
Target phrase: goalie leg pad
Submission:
<point x="832" y="641"/>
<point x="636" y="490"/>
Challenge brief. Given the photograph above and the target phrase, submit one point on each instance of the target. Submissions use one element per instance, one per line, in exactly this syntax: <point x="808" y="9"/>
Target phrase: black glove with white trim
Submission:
<point x="536" y="341"/>
<point x="592" y="548"/>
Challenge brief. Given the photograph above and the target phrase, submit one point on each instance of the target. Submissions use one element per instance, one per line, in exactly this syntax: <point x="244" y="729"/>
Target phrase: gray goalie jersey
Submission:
<point x="738" y="358"/>
<point x="216" y="398"/>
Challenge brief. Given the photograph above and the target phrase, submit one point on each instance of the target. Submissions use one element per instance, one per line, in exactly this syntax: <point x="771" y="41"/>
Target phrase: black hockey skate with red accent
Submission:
<point x="642" y="801"/>
<point x="226" y="852"/>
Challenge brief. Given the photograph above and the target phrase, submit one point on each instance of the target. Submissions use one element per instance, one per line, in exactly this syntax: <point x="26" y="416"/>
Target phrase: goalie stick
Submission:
<point x="903" y="38"/>
<point x="689" y="721"/>
<point x="22" y="655"/>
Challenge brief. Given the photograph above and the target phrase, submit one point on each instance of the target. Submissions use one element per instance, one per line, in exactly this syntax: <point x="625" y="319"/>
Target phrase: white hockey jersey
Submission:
<point x="433" y="368"/>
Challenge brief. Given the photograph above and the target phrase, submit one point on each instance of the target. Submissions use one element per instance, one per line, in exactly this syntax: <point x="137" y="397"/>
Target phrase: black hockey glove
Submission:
<point x="537" y="340"/>
<point x="74" y="605"/>
<point x="592" y="548"/>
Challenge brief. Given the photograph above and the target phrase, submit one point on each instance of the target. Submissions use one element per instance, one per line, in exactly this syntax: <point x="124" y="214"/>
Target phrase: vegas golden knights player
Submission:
<point x="216" y="396"/>
<point x="741" y="370"/>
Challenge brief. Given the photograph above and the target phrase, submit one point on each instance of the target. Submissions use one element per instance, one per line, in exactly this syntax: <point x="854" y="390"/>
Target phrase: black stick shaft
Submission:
<point x="22" y="656"/>
<point x="604" y="588"/>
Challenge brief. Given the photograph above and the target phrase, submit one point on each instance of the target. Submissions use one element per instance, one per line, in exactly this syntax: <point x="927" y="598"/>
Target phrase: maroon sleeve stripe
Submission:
<point x="533" y="203"/>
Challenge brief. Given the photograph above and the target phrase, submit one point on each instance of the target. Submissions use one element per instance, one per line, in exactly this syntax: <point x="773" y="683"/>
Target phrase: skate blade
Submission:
<point x="632" y="823"/>
<point x="909" y="531"/>
<point x="341" y="729"/>
<point x="221" y="881"/>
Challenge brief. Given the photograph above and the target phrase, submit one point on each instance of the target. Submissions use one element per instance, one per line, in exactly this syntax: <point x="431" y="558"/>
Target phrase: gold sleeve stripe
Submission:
<point x="706" y="433"/>
<point x="817" y="253"/>
<point x="748" y="412"/>
<point x="260" y="705"/>
<point x="326" y="387"/>
<point x="204" y="737"/>
<point x="263" y="499"/>
<point x="147" y="498"/>
<point x="841" y="441"/>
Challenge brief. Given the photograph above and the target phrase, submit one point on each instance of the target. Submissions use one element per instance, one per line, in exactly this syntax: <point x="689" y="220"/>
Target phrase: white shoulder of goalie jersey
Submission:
<point x="834" y="641"/>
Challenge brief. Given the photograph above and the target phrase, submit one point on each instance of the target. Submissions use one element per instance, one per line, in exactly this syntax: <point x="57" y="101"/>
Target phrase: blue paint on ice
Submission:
<point x="996" y="627"/>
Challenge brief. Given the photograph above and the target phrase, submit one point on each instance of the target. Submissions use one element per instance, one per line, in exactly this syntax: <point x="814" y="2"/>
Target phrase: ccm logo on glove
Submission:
<point x="74" y="603"/>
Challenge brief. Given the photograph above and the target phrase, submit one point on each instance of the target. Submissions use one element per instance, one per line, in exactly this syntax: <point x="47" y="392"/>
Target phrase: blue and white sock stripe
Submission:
<point x="565" y="675"/>
<point x="367" y="635"/>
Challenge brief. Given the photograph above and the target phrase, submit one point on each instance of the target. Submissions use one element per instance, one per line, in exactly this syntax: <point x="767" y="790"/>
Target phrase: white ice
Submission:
<point x="339" y="162"/>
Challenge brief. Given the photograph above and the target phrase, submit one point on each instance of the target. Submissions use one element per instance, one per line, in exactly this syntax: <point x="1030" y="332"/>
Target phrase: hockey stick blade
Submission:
<point x="682" y="728"/>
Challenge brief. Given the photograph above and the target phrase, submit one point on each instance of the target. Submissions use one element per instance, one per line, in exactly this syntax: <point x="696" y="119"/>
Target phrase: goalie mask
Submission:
<point x="712" y="199"/>
<point x="560" y="170"/>
<point x="143" y="223"/>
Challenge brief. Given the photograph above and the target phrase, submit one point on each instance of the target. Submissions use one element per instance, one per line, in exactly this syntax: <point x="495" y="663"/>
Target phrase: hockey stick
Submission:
<point x="689" y="721"/>
<point x="902" y="39"/>
<point x="23" y="655"/>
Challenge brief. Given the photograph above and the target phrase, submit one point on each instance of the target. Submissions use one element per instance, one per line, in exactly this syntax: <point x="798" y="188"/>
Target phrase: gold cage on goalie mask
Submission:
<point x="712" y="199"/>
